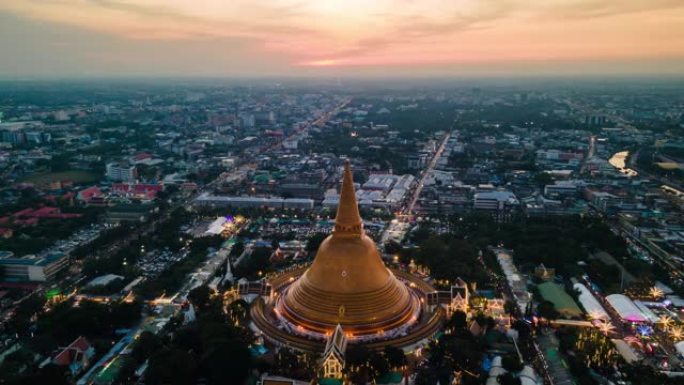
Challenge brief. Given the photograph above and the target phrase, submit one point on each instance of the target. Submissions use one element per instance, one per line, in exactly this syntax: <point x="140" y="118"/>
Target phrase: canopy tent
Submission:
<point x="590" y="303"/>
<point x="680" y="348"/>
<point x="625" y="351"/>
<point x="625" y="308"/>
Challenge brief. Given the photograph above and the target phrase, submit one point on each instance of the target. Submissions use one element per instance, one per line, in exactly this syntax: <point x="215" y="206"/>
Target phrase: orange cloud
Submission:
<point x="339" y="33"/>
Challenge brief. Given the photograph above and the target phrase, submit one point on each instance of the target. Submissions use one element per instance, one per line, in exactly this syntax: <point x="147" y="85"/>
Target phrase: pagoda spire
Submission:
<point x="348" y="219"/>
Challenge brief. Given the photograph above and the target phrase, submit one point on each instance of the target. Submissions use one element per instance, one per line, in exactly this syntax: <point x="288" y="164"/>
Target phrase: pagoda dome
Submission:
<point x="348" y="283"/>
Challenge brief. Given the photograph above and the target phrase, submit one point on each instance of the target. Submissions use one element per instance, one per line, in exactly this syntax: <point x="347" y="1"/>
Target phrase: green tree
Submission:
<point x="542" y="179"/>
<point x="226" y="360"/>
<point x="395" y="356"/>
<point x="457" y="321"/>
<point x="171" y="366"/>
<point x="392" y="247"/>
<point x="522" y="327"/>
<point x="145" y="346"/>
<point x="200" y="297"/>
<point x="237" y="310"/>
<point x="378" y="364"/>
<point x="547" y="310"/>
<point x="508" y="379"/>
<point x="314" y="241"/>
<point x="49" y="374"/>
<point x="511" y="363"/>
<point x="511" y="308"/>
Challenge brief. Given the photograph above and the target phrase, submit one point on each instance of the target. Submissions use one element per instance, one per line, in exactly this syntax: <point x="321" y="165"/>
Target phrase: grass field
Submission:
<point x="76" y="176"/>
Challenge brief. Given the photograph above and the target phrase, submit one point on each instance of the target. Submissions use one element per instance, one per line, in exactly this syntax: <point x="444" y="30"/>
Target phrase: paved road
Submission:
<point x="320" y="121"/>
<point x="591" y="150"/>
<point x="556" y="366"/>
<point x="428" y="170"/>
<point x="107" y="358"/>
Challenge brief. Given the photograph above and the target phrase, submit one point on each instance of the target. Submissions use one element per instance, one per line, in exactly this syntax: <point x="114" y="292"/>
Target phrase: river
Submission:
<point x="619" y="161"/>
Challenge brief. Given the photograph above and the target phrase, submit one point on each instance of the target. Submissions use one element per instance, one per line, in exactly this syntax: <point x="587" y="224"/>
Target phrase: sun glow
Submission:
<point x="291" y="34"/>
<point x="320" y="63"/>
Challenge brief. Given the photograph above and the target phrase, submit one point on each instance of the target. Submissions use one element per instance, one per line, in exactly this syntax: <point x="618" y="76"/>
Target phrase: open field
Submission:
<point x="76" y="176"/>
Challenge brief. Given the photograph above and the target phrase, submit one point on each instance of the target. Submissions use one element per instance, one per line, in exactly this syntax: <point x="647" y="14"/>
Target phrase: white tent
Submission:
<point x="625" y="351"/>
<point x="648" y="313"/>
<point x="495" y="371"/>
<point x="625" y="308"/>
<point x="680" y="348"/>
<point x="590" y="303"/>
<point x="528" y="376"/>
<point x="216" y="227"/>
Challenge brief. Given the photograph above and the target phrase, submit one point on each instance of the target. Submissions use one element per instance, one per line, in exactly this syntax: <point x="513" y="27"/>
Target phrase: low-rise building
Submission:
<point x="209" y="200"/>
<point x="32" y="268"/>
<point x="76" y="356"/>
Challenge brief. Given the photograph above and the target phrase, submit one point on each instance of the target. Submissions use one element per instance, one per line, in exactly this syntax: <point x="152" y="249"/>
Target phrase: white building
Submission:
<point x="494" y="200"/>
<point x="121" y="173"/>
<point x="32" y="268"/>
<point x="290" y="144"/>
<point x="207" y="199"/>
<point x="563" y="188"/>
<point x="382" y="182"/>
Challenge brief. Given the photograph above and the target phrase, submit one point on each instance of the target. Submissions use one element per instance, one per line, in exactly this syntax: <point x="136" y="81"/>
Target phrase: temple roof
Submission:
<point x="348" y="220"/>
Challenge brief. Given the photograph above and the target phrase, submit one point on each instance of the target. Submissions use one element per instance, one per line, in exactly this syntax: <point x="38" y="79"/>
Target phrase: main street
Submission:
<point x="304" y="129"/>
<point x="591" y="151"/>
<point x="426" y="173"/>
<point x="399" y="225"/>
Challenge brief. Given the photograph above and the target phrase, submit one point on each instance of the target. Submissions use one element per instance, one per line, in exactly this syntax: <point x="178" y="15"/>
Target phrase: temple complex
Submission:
<point x="347" y="288"/>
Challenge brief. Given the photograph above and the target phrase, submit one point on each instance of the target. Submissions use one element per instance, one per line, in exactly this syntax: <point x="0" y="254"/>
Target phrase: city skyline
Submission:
<point x="329" y="38"/>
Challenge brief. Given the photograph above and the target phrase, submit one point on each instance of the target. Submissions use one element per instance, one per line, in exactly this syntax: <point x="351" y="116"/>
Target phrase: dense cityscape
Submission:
<point x="266" y="232"/>
<point x="341" y="192"/>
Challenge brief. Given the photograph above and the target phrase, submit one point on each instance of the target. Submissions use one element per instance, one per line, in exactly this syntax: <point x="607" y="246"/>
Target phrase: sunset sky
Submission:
<point x="345" y="37"/>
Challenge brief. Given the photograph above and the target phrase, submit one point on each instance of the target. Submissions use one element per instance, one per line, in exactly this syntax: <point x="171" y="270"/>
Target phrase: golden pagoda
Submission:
<point x="347" y="283"/>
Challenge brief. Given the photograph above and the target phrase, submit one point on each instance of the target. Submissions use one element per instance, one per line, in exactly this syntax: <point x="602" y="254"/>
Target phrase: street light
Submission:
<point x="655" y="292"/>
<point x="606" y="327"/>
<point x="666" y="322"/>
<point x="595" y="315"/>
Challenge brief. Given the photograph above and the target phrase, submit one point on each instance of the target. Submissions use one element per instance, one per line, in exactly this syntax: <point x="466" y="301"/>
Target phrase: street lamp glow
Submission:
<point x="606" y="327"/>
<point x="655" y="292"/>
<point x="595" y="315"/>
<point x="666" y="322"/>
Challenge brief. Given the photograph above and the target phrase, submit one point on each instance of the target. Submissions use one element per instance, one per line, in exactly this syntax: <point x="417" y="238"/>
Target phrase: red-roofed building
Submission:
<point x="6" y="232"/>
<point x="30" y="217"/>
<point x="142" y="157"/>
<point x="44" y="212"/>
<point x="89" y="194"/>
<point x="23" y="213"/>
<point x="76" y="356"/>
<point x="139" y="190"/>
